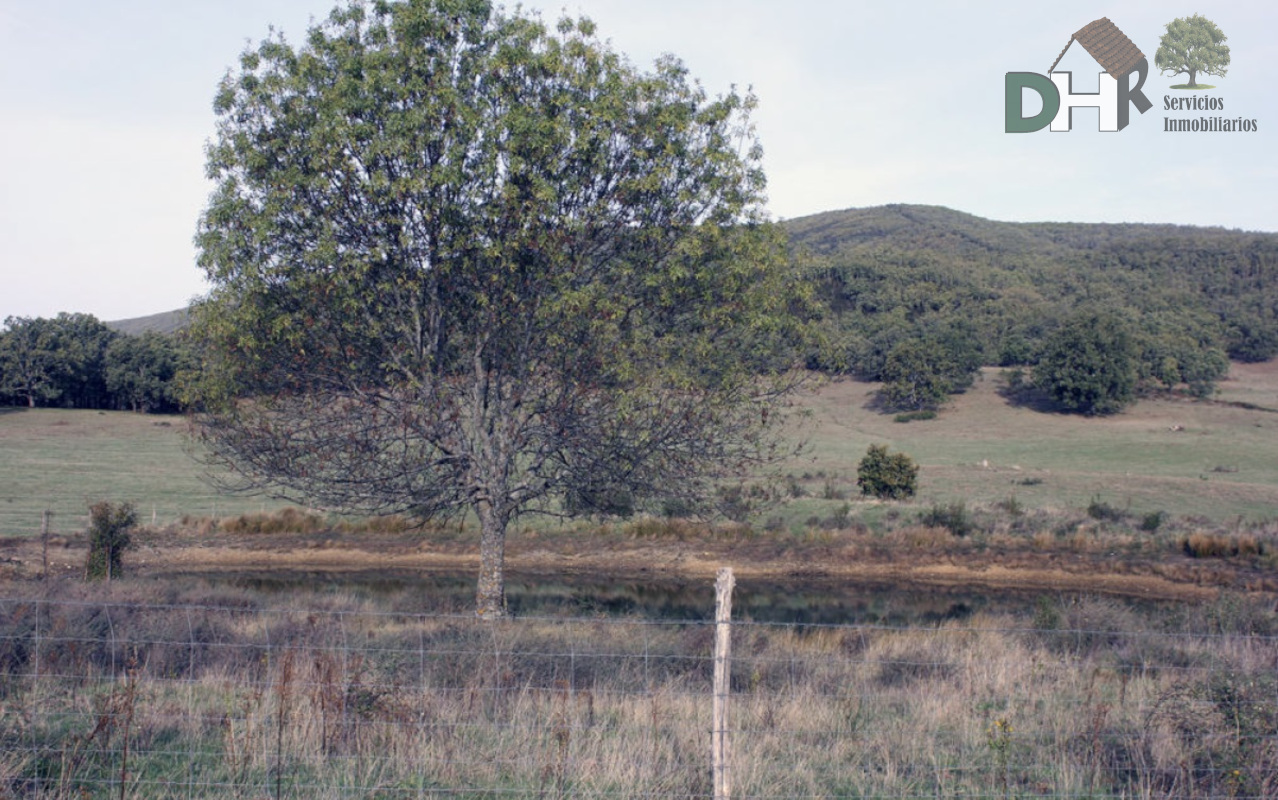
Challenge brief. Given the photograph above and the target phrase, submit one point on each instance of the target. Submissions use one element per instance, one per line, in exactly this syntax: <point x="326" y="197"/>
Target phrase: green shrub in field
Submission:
<point x="953" y="518"/>
<point x="110" y="534"/>
<point x="1100" y="510"/>
<point x="887" y="476"/>
<point x="915" y="416"/>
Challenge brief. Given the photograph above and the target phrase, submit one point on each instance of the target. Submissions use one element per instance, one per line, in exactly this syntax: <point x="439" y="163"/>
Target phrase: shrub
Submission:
<point x="1100" y="510"/>
<point x="110" y="527"/>
<point x="953" y="518"/>
<point x="915" y="416"/>
<point x="1152" y="521"/>
<point x="887" y="476"/>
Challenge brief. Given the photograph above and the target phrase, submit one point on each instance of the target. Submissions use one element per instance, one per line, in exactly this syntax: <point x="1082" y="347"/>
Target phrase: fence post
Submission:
<point x="722" y="743"/>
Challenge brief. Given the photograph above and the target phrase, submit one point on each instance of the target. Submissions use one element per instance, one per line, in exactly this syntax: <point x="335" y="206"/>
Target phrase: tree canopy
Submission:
<point x="464" y="263"/>
<point x="1089" y="365"/>
<point x="1192" y="45"/>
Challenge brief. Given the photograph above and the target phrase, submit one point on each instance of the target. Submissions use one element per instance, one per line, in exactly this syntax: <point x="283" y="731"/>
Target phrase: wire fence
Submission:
<point x="338" y="700"/>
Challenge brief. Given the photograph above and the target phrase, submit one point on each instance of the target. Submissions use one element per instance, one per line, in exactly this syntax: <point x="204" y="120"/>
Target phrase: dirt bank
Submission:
<point x="840" y="558"/>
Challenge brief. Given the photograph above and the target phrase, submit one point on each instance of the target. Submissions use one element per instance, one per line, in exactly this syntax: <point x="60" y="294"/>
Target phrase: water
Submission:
<point x="796" y="600"/>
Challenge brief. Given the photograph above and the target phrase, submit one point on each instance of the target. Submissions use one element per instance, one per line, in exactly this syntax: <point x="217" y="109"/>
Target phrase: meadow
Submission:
<point x="1212" y="461"/>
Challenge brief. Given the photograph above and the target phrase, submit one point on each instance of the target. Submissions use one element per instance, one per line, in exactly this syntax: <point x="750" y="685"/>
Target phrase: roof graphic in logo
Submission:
<point x="1104" y="42"/>
<point x="1124" y="69"/>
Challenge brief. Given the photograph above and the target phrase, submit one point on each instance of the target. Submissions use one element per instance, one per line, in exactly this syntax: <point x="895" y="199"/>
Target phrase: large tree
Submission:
<point x="57" y="360"/>
<point x="1089" y="365"/>
<point x="465" y="264"/>
<point x="29" y="360"/>
<point x="1192" y="45"/>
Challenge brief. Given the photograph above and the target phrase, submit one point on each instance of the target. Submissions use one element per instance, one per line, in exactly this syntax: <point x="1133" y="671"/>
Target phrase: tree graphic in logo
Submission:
<point x="1192" y="45"/>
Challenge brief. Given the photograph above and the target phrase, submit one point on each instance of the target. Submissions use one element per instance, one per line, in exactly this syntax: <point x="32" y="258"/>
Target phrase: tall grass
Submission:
<point x="237" y="695"/>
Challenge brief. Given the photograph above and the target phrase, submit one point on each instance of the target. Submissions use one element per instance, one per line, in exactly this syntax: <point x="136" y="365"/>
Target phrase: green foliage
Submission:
<point x="897" y="273"/>
<point x="110" y="535"/>
<point x="141" y="370"/>
<point x="887" y="476"/>
<point x="915" y="376"/>
<point x="55" y="361"/>
<point x="1100" y="510"/>
<point x="29" y="361"/>
<point x="915" y="416"/>
<point x="1179" y="349"/>
<point x="1152" y="521"/>
<point x="463" y="263"/>
<point x="1192" y="45"/>
<point x="1089" y="365"/>
<point x="76" y="361"/>
<point x="953" y="517"/>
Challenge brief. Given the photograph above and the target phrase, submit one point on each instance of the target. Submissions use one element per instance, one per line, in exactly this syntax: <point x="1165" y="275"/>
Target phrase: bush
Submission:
<point x="1098" y="509"/>
<point x="1152" y="521"/>
<point x="109" y="536"/>
<point x="953" y="518"/>
<point x="915" y="416"/>
<point x="889" y="477"/>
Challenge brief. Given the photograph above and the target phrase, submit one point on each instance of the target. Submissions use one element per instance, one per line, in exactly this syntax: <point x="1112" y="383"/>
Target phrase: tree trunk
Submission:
<point x="490" y="597"/>
<point x="1192" y="75"/>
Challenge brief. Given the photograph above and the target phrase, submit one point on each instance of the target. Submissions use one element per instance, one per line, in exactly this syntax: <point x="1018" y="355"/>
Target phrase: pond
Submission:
<point x="797" y="600"/>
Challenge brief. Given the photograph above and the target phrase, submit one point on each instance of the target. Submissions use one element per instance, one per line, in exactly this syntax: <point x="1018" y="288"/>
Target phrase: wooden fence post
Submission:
<point x="722" y="742"/>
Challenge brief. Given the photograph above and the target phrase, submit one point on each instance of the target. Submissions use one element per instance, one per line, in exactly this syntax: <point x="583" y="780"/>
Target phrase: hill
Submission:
<point x="998" y="288"/>
<point x="931" y="266"/>
<point x="166" y="322"/>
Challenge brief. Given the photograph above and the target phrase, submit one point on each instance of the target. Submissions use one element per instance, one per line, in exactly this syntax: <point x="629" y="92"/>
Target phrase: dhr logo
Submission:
<point x="1117" y="56"/>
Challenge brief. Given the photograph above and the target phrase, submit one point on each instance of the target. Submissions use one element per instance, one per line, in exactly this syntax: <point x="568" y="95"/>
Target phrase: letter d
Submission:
<point x="1014" y="122"/>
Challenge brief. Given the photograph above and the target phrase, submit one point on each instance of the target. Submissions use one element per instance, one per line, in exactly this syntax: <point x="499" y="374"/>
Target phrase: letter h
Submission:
<point x="1106" y="100"/>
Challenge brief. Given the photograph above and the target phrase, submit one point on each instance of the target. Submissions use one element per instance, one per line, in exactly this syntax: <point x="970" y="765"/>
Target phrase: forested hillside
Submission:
<point x="918" y="296"/>
<point x="977" y="291"/>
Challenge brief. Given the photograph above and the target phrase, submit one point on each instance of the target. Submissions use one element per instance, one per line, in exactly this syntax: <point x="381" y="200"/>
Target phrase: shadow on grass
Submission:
<point x="12" y="410"/>
<point x="1027" y="396"/>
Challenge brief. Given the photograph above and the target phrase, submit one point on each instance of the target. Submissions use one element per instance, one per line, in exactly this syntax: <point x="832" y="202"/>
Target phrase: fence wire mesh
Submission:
<point x="148" y="700"/>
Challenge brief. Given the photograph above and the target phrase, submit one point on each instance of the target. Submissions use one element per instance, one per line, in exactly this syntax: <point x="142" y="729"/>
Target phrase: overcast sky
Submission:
<point x="105" y="108"/>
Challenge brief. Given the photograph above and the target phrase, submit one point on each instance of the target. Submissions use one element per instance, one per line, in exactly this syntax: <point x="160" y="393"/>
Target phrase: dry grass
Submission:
<point x="238" y="695"/>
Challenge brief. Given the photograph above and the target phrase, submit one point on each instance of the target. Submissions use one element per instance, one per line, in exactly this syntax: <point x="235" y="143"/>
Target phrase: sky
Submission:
<point x="106" y="108"/>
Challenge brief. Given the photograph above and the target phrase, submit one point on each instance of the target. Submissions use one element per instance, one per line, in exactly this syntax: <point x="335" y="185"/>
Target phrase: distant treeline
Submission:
<point x="77" y="361"/>
<point x="916" y="296"/>
<point x="925" y="282"/>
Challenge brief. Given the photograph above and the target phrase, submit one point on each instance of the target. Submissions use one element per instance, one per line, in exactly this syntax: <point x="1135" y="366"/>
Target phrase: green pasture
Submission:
<point x="1217" y="460"/>
<point x="61" y="461"/>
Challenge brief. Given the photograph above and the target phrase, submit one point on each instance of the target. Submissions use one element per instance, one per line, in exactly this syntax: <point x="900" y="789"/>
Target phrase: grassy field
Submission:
<point x="61" y="461"/>
<point x="1215" y="460"/>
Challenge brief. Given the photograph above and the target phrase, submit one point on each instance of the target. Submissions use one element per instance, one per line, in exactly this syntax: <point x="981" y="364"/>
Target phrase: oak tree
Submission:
<point x="1192" y="45"/>
<point x="1089" y="365"/>
<point x="464" y="263"/>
